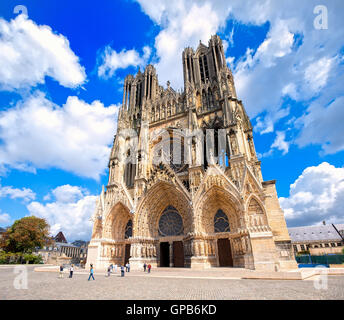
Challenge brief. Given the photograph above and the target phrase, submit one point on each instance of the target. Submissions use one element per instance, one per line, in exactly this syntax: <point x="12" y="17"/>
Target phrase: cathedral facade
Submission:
<point x="185" y="186"/>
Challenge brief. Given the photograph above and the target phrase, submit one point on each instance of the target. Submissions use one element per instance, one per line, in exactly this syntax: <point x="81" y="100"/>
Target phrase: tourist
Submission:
<point x="128" y="267"/>
<point x="122" y="271"/>
<point x="149" y="268"/>
<point x="116" y="268"/>
<point x="109" y="271"/>
<point x="91" y="273"/>
<point x="61" y="271"/>
<point x="111" y="266"/>
<point x="71" y="269"/>
<point x="144" y="267"/>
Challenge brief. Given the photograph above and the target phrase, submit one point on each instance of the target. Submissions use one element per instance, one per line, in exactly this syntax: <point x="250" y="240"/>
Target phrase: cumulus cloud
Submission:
<point x="280" y="142"/>
<point x="5" y="219"/>
<point x="69" y="211"/>
<point x="14" y="193"/>
<point x="323" y="125"/>
<point x="111" y="60"/>
<point x="30" y="52"/>
<point x="315" y="196"/>
<point x="76" y="137"/>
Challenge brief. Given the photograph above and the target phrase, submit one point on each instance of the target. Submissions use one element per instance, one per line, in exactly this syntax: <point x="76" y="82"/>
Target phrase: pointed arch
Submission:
<point x="153" y="205"/>
<point x="116" y="222"/>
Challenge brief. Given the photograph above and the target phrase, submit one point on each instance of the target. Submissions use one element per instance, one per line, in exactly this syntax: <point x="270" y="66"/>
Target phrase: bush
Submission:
<point x="19" y="258"/>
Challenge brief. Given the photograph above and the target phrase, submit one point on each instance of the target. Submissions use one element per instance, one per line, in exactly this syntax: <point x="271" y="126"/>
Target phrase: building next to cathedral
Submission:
<point x="211" y="208"/>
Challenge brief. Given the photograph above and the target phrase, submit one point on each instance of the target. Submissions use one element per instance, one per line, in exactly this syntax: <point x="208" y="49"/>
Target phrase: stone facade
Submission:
<point x="211" y="208"/>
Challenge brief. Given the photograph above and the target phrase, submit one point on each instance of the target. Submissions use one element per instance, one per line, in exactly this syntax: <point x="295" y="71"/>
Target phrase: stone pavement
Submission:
<point x="168" y="284"/>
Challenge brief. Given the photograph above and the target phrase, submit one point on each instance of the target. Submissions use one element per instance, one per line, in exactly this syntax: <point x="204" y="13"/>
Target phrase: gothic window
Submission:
<point x="204" y="100"/>
<point x="170" y="223"/>
<point x="221" y="223"/>
<point x="128" y="230"/>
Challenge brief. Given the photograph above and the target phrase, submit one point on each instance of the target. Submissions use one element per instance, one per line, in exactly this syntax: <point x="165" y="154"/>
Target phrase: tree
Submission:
<point x="25" y="235"/>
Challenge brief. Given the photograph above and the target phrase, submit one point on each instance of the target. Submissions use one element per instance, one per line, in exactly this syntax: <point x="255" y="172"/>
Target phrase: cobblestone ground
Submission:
<point x="137" y="285"/>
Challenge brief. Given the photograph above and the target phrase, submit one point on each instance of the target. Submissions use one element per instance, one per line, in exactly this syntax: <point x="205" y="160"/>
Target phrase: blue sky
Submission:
<point x="61" y="74"/>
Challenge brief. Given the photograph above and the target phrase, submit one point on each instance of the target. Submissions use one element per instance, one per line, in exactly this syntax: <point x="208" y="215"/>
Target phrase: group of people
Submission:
<point x="111" y="267"/>
<point x="71" y="270"/>
<point x="147" y="267"/>
<point x="109" y="270"/>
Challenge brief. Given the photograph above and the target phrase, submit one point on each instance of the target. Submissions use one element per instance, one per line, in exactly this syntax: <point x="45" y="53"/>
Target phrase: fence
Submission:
<point x="323" y="260"/>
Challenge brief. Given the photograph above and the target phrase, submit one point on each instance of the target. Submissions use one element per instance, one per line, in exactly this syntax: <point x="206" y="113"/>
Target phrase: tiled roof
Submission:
<point x="315" y="233"/>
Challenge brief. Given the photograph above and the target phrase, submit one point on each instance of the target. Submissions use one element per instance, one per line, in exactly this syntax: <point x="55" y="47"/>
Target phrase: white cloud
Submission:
<point x="5" y="219"/>
<point x="280" y="142"/>
<point x="14" y="193"/>
<point x="317" y="73"/>
<point x="316" y="195"/>
<point x="76" y="137"/>
<point x="323" y="125"/>
<point x="29" y="53"/>
<point x="69" y="212"/>
<point x="112" y="60"/>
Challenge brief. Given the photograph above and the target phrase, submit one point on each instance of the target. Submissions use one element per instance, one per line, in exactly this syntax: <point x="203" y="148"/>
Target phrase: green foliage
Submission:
<point x="343" y="250"/>
<point x="25" y="235"/>
<point x="19" y="258"/>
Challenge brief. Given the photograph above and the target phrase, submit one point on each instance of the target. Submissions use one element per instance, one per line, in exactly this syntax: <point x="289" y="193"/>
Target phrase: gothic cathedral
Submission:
<point x="204" y="206"/>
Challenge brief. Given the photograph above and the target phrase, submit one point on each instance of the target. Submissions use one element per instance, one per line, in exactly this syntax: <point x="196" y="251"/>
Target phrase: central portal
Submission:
<point x="178" y="254"/>
<point x="127" y="253"/>
<point x="225" y="253"/>
<point x="164" y="254"/>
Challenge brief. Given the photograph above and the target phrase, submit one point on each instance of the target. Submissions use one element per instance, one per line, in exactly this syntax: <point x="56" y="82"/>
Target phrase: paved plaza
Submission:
<point x="168" y="284"/>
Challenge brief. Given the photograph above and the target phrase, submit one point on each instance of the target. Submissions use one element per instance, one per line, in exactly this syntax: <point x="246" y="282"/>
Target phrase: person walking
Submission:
<point x="71" y="270"/>
<point x="109" y="271"/>
<point x="128" y="267"/>
<point x="149" y="268"/>
<point x="122" y="271"/>
<point x="116" y="268"/>
<point x="91" y="273"/>
<point x="144" y="267"/>
<point x="61" y="271"/>
<point x="111" y="267"/>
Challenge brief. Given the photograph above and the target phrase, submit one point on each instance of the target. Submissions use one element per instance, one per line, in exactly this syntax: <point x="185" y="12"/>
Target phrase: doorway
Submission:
<point x="178" y="254"/>
<point x="127" y="253"/>
<point x="164" y="254"/>
<point x="225" y="253"/>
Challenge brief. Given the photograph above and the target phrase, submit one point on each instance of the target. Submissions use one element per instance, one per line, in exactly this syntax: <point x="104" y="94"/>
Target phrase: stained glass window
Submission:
<point x="221" y="223"/>
<point x="128" y="230"/>
<point x="170" y="223"/>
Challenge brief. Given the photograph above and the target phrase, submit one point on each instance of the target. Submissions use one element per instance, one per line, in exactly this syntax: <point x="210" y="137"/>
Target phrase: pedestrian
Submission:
<point x="116" y="268"/>
<point x="149" y="268"/>
<point x="108" y="271"/>
<point x="111" y="266"/>
<point x="71" y="269"/>
<point x="61" y="271"/>
<point x="122" y="271"/>
<point x="128" y="267"/>
<point x="91" y="273"/>
<point x="144" y="267"/>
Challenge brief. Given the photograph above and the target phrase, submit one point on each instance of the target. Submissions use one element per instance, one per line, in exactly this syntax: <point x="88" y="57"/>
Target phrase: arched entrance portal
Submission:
<point x="171" y="247"/>
<point x="221" y="225"/>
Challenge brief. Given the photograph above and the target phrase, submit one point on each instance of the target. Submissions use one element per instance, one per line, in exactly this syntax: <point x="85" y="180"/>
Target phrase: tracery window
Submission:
<point x="221" y="223"/>
<point x="128" y="230"/>
<point x="170" y="223"/>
